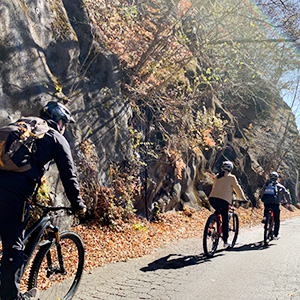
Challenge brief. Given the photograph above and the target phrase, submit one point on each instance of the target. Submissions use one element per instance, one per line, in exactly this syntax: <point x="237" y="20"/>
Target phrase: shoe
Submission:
<point x="277" y="237"/>
<point x="33" y="294"/>
<point x="227" y="245"/>
<point x="263" y="220"/>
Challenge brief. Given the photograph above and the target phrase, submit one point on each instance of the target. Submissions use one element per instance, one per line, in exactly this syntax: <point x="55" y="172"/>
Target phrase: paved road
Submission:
<point x="180" y="272"/>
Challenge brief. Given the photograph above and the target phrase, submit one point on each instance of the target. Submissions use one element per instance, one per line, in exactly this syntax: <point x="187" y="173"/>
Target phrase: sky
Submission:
<point x="289" y="95"/>
<point x="292" y="48"/>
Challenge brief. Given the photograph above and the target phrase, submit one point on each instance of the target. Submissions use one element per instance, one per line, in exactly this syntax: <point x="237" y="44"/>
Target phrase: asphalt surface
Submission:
<point x="180" y="272"/>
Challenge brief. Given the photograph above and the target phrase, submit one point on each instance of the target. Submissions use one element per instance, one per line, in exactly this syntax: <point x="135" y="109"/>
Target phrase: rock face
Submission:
<point x="259" y="141"/>
<point x="45" y="56"/>
<point x="50" y="51"/>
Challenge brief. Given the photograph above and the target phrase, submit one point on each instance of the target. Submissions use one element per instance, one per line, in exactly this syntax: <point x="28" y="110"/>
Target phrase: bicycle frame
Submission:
<point x="268" y="230"/>
<point x="34" y="233"/>
<point x="230" y="211"/>
<point x="272" y="214"/>
<point x="270" y="211"/>
<point x="220" y="231"/>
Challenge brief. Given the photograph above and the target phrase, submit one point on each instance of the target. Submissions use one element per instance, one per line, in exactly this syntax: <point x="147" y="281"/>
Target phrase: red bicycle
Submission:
<point x="213" y="230"/>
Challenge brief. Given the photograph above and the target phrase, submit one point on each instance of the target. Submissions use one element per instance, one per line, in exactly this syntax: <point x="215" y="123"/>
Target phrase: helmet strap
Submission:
<point x="61" y="126"/>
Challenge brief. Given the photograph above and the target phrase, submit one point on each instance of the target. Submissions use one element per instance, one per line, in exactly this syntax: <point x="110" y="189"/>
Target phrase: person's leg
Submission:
<point x="276" y="212"/>
<point x="214" y="202"/>
<point x="224" y="212"/>
<point x="222" y="207"/>
<point x="11" y="231"/>
<point x="266" y="209"/>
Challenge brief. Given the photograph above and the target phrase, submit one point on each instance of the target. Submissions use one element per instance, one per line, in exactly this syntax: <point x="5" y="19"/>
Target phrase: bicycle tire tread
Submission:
<point x="41" y="254"/>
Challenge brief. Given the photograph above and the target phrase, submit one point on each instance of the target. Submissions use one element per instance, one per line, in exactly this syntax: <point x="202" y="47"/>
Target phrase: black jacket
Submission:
<point x="53" y="146"/>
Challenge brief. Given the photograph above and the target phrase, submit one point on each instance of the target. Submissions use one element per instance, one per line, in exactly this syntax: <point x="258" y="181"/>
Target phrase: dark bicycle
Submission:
<point x="58" y="261"/>
<point x="269" y="224"/>
<point x="269" y="227"/>
<point x="213" y="230"/>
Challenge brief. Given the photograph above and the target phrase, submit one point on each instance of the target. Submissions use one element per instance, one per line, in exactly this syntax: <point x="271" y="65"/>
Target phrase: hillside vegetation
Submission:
<point x="204" y="82"/>
<point x="162" y="93"/>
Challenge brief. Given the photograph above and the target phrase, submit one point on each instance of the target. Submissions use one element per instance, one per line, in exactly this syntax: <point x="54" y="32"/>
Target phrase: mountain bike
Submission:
<point x="213" y="230"/>
<point x="269" y="227"/>
<point x="58" y="261"/>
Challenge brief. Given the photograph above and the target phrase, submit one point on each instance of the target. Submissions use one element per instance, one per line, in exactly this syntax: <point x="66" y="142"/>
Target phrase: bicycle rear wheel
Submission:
<point x="47" y="274"/>
<point x="233" y="228"/>
<point x="269" y="229"/>
<point x="211" y="235"/>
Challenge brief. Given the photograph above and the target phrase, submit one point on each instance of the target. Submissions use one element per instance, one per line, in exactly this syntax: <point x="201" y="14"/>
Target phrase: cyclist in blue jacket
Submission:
<point x="272" y="195"/>
<point x="17" y="187"/>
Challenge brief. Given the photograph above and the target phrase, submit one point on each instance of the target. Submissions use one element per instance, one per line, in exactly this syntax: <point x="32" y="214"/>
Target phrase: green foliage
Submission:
<point x="130" y="13"/>
<point x="210" y="129"/>
<point x="156" y="210"/>
<point x="139" y="226"/>
<point x="140" y="148"/>
<point x="42" y="197"/>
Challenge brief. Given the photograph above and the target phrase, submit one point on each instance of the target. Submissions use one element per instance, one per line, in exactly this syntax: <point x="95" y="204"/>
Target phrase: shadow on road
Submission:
<point x="251" y="247"/>
<point x="179" y="261"/>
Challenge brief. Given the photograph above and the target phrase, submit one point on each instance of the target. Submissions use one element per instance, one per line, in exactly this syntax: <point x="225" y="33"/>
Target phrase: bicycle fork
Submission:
<point x="51" y="269"/>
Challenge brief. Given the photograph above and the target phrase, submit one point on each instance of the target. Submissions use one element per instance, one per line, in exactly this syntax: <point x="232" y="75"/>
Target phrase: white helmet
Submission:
<point x="274" y="176"/>
<point x="227" y="166"/>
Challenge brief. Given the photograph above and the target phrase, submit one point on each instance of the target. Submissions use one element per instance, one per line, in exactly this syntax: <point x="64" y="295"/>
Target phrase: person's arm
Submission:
<point x="262" y="191"/>
<point x="287" y="195"/>
<point x="237" y="189"/>
<point x="64" y="161"/>
<point x="213" y="186"/>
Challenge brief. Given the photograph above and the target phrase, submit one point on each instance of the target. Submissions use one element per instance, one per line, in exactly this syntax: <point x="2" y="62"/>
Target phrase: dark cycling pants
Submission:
<point x="276" y="212"/>
<point x="11" y="231"/>
<point x="222" y="207"/>
<point x="13" y="192"/>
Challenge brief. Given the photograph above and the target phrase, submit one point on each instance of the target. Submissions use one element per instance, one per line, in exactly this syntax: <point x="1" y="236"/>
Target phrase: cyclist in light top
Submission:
<point x="221" y="194"/>
<point x="272" y="195"/>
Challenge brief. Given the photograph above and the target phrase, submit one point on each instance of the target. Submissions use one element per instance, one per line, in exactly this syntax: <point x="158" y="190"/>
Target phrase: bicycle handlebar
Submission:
<point x="47" y="209"/>
<point x="239" y="201"/>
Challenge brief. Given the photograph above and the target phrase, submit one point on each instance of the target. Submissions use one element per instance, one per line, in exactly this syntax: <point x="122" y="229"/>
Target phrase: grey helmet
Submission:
<point x="57" y="111"/>
<point x="273" y="176"/>
<point x="227" y="166"/>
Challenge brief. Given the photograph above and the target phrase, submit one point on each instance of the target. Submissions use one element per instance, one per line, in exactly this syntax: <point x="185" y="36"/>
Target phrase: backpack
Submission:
<point x="271" y="192"/>
<point x="18" y="143"/>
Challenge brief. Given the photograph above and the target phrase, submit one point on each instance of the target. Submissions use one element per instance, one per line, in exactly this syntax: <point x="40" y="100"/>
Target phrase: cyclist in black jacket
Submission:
<point x="17" y="187"/>
<point x="272" y="194"/>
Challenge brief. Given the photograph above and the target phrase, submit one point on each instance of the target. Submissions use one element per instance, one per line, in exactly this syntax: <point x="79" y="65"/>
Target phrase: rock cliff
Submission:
<point x="51" y="50"/>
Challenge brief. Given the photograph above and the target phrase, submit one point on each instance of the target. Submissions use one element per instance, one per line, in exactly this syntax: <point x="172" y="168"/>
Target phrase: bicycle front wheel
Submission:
<point x="233" y="229"/>
<point x="211" y="235"/>
<point x="57" y="268"/>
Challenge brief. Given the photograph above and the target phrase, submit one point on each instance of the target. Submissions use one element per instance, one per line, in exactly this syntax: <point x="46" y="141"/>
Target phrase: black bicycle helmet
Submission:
<point x="227" y="166"/>
<point x="273" y="176"/>
<point x="57" y="111"/>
